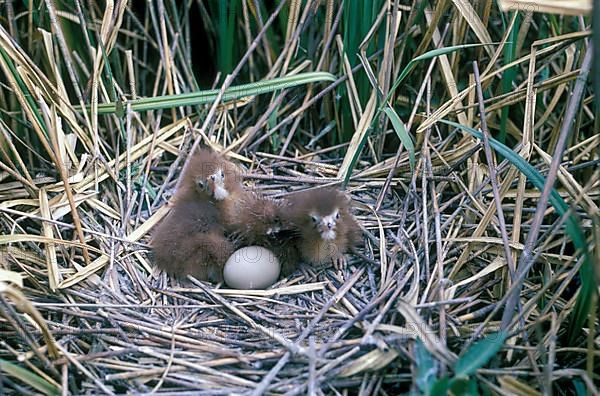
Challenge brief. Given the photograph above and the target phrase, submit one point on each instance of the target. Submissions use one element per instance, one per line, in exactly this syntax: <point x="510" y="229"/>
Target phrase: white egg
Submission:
<point x="252" y="267"/>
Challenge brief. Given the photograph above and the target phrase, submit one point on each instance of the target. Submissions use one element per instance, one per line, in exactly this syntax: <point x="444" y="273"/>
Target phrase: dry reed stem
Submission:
<point x="439" y="239"/>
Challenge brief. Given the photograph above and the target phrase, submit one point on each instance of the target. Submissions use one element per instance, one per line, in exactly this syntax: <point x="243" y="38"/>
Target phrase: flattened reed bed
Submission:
<point x="86" y="312"/>
<point x="135" y="330"/>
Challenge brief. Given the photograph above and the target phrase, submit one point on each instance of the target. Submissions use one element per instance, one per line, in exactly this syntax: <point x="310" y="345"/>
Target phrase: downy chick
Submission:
<point x="211" y="176"/>
<point x="325" y="225"/>
<point x="257" y="218"/>
<point x="219" y="181"/>
<point x="191" y="240"/>
<point x="225" y="183"/>
<point x="264" y="221"/>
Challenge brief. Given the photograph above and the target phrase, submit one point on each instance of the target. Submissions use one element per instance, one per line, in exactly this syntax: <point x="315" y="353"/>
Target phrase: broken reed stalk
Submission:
<point x="526" y="260"/>
<point x="125" y="327"/>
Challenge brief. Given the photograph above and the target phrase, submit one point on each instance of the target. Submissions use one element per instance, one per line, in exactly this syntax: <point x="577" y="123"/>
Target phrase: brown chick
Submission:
<point x="224" y="183"/>
<point x="264" y="221"/>
<point x="191" y="240"/>
<point x="212" y="177"/>
<point x="325" y="225"/>
<point x="257" y="218"/>
<point x="216" y="179"/>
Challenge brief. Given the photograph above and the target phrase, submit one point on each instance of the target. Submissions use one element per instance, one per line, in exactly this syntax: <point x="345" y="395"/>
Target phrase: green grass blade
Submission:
<point x="24" y="89"/>
<point x="580" y="388"/>
<point x="29" y="378"/>
<point x="428" y="55"/>
<point x="426" y="369"/>
<point x="478" y="354"/>
<point x="441" y="386"/>
<point x="208" y="96"/>
<point x="227" y="14"/>
<point x="403" y="135"/>
<point x="509" y="75"/>
<point x="582" y="307"/>
<point x="464" y="387"/>
<point x="224" y="48"/>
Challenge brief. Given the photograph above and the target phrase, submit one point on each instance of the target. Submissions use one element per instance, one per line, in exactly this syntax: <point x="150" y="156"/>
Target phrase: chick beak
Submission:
<point x="218" y="187"/>
<point x="328" y="228"/>
<point x="273" y="230"/>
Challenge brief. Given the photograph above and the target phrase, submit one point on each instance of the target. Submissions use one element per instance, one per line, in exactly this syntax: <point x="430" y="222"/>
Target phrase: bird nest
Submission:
<point x="451" y="223"/>
<point x="118" y="325"/>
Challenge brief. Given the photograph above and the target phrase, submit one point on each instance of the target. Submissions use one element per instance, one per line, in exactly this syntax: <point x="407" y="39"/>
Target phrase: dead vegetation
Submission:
<point x="456" y="240"/>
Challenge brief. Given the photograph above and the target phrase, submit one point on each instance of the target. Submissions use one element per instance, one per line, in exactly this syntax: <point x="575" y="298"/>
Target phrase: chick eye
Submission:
<point x="200" y="183"/>
<point x="222" y="175"/>
<point x="337" y="215"/>
<point x="315" y="219"/>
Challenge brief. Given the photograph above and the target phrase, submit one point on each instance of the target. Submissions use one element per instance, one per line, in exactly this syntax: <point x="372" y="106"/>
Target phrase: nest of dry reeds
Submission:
<point x="478" y="278"/>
